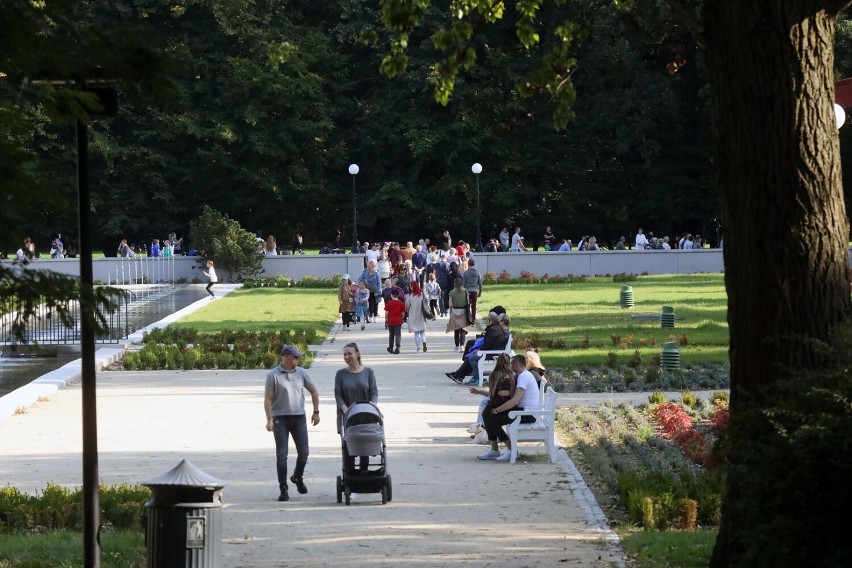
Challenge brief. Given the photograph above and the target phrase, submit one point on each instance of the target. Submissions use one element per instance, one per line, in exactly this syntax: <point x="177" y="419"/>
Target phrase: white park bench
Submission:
<point x="488" y="359"/>
<point x="542" y="430"/>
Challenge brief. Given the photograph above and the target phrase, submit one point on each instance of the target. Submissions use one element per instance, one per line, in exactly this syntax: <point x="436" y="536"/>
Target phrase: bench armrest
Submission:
<point x="515" y="415"/>
<point x="480" y="354"/>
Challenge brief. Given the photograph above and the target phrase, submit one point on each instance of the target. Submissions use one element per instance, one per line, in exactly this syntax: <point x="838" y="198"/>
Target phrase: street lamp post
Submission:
<point x="477" y="169"/>
<point x="353" y="170"/>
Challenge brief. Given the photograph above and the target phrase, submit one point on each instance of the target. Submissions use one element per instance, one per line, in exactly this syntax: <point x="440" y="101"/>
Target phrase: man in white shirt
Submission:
<point x="372" y="254"/>
<point x="526" y="397"/>
<point x="666" y="245"/>
<point x="518" y="241"/>
<point x="504" y="240"/>
<point x="641" y="240"/>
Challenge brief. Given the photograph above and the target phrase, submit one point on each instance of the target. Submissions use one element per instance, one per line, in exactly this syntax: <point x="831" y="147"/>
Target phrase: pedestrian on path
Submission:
<point x="458" y="308"/>
<point x="284" y="404"/>
<point x="344" y="300"/>
<point x="394" y="311"/>
<point x="415" y="304"/>
<point x="211" y="274"/>
<point x="361" y="296"/>
<point x="354" y="383"/>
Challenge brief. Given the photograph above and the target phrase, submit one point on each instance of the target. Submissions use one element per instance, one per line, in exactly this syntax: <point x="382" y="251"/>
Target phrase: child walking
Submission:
<point x="362" y="303"/>
<point x="394" y="313"/>
<point x="211" y="274"/>
<point x="432" y="293"/>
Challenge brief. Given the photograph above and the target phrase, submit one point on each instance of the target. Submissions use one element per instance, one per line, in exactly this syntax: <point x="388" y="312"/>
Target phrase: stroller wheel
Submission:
<point x="348" y="496"/>
<point x="384" y="494"/>
<point x="389" y="487"/>
<point x="339" y="489"/>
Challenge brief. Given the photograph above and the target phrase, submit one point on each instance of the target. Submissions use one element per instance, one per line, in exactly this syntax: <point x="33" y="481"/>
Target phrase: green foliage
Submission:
<point x="664" y="549"/>
<point x="798" y="458"/>
<point x="221" y="238"/>
<point x="61" y="548"/>
<point x="122" y="507"/>
<point x="176" y="347"/>
<point x="688" y="398"/>
<point x="657" y="397"/>
<point x="624" y="277"/>
<point x="657" y="486"/>
<point x="660" y="500"/>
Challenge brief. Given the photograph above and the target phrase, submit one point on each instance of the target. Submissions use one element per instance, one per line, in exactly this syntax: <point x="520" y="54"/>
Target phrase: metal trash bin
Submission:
<point x="184" y="519"/>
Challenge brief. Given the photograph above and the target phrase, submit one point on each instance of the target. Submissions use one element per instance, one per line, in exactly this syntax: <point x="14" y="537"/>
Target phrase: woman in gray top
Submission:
<point x="355" y="383"/>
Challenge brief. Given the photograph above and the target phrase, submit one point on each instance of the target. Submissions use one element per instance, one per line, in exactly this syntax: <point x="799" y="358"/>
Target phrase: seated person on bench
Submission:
<point x="494" y="339"/>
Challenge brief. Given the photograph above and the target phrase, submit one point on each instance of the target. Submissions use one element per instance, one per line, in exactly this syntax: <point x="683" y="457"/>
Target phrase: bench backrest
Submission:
<point x="542" y="391"/>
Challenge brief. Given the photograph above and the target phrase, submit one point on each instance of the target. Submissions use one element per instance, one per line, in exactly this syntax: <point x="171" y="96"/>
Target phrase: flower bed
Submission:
<point x="653" y="465"/>
<point x="185" y="348"/>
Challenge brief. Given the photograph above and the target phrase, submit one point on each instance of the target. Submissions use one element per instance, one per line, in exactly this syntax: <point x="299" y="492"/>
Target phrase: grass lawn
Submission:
<point x="62" y="549"/>
<point x="267" y="309"/>
<point x="556" y="317"/>
<point x="559" y="317"/>
<point x="666" y="549"/>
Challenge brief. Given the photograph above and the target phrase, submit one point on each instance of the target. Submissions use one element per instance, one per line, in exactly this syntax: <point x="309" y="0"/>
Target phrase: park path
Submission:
<point x="448" y="508"/>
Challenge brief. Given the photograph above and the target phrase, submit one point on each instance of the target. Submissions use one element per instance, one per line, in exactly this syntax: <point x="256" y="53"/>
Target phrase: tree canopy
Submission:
<point x="271" y="101"/>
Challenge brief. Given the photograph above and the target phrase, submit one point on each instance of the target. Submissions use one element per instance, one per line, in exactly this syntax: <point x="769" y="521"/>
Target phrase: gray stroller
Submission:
<point x="362" y="436"/>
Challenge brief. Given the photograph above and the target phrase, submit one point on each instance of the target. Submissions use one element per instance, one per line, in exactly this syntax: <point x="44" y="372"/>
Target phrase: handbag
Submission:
<point x="424" y="308"/>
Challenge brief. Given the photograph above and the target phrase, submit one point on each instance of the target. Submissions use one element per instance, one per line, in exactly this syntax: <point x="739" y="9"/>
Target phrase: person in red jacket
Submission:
<point x="394" y="311"/>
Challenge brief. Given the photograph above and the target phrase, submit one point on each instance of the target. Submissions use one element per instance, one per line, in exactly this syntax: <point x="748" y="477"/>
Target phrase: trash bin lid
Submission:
<point x="185" y="474"/>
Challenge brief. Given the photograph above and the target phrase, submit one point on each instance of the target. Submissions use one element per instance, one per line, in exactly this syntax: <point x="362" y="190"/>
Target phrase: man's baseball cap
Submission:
<point x="291" y="350"/>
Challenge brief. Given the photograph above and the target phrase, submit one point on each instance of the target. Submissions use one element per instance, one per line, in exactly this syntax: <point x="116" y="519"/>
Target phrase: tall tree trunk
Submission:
<point x="779" y="181"/>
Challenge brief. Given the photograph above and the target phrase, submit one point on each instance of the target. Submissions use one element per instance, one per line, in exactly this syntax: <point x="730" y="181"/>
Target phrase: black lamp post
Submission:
<point x="108" y="98"/>
<point x="353" y="170"/>
<point x="477" y="169"/>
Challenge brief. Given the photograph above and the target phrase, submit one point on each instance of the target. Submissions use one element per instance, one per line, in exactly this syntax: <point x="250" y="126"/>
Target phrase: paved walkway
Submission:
<point x="448" y="507"/>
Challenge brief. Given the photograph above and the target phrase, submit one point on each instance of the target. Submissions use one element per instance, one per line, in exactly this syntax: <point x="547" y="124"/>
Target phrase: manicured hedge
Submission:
<point x="122" y="507"/>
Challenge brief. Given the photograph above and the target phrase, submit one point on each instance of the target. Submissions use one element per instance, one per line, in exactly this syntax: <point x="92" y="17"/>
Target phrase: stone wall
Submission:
<point x="539" y="263"/>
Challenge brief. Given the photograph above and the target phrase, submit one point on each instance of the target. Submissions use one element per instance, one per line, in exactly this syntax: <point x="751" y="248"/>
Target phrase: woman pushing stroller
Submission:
<point x="355" y="383"/>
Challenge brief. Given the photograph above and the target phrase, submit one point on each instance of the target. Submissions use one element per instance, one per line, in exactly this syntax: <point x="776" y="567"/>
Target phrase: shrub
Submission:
<point x="719" y="399"/>
<point x="672" y="418"/>
<point x="122" y="507"/>
<point x="635" y="360"/>
<point x="612" y="359"/>
<point x="686" y="512"/>
<point x="688" y="398"/>
<point x="684" y="340"/>
<point x="652" y="373"/>
<point x="624" y="277"/>
<point x="222" y="239"/>
<point x="616" y="339"/>
<point x="657" y="397"/>
<point x="720" y="418"/>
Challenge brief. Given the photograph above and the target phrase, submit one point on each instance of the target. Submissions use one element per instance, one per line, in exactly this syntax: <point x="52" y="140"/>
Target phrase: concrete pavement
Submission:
<point x="448" y="508"/>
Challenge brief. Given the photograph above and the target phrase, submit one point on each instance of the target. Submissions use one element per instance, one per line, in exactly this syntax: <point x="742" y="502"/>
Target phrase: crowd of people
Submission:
<point x="169" y="246"/>
<point x="413" y="285"/>
<point x="28" y="251"/>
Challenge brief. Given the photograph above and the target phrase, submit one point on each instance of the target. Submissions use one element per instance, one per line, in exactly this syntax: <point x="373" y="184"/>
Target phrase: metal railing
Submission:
<point x="138" y="270"/>
<point x="46" y="328"/>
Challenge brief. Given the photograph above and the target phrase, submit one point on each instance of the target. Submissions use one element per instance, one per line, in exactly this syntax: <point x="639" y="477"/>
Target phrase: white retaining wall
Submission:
<point x="325" y="265"/>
